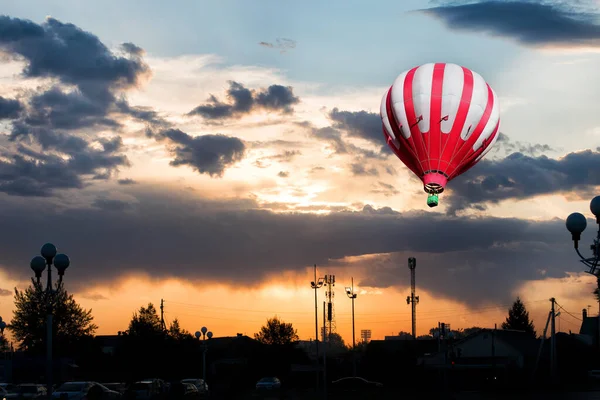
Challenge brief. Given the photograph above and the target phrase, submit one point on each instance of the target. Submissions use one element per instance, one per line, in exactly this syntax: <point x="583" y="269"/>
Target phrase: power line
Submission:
<point x="378" y="321"/>
<point x="569" y="313"/>
<point x="443" y="310"/>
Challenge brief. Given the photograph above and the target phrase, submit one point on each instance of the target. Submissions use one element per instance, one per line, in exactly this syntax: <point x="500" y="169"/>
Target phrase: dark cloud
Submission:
<point x="243" y="101"/>
<point x="126" y="181"/>
<point x="360" y="169"/>
<point x="519" y="176"/>
<point x="161" y="234"/>
<point x="64" y="51"/>
<point x="283" y="174"/>
<point x="9" y="108"/>
<point x="207" y="154"/>
<point x="335" y="138"/>
<point x="111" y="204"/>
<point x="384" y="188"/>
<point x="5" y="292"/>
<point x="533" y="23"/>
<point x="281" y="44"/>
<point x="54" y="140"/>
<point x="509" y="146"/>
<point x="360" y="124"/>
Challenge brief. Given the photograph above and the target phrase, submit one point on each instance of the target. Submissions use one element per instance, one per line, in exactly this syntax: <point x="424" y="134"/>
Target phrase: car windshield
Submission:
<point x="72" y="387"/>
<point x="268" y="380"/>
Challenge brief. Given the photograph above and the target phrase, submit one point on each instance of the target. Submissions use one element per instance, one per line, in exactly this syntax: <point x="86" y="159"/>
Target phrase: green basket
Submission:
<point x="432" y="200"/>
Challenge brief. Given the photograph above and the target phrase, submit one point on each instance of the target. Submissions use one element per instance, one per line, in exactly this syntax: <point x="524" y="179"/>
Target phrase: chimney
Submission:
<point x="584" y="313"/>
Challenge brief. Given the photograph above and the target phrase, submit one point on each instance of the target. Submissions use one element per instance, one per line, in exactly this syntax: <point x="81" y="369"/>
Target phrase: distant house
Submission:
<point x="109" y="343"/>
<point x="486" y="348"/>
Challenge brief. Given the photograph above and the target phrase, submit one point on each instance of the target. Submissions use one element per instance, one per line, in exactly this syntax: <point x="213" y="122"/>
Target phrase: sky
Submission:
<point x="210" y="153"/>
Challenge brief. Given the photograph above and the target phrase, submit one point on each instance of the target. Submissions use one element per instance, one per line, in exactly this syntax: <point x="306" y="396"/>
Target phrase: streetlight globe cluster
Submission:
<point x="48" y="258"/>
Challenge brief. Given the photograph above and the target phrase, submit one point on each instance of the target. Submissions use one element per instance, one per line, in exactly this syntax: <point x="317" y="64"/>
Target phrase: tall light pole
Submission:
<point x="316" y="285"/>
<point x="203" y="334"/>
<point x="576" y="224"/>
<point x="38" y="264"/>
<point x="350" y="293"/>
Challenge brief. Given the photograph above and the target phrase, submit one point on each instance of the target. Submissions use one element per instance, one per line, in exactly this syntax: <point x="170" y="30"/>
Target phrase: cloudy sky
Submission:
<point x="210" y="153"/>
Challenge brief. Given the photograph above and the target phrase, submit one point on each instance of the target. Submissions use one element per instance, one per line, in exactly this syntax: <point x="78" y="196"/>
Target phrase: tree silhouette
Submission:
<point x="277" y="332"/>
<point x="177" y="332"/>
<point x="597" y="290"/>
<point x="146" y="323"/>
<point x="70" y="321"/>
<point x="518" y="318"/>
<point x="336" y="342"/>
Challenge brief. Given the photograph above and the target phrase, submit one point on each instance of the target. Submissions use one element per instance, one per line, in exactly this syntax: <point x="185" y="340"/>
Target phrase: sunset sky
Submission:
<point x="209" y="153"/>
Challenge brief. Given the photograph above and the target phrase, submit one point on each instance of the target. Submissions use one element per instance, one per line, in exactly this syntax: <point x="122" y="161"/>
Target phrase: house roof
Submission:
<point x="521" y="341"/>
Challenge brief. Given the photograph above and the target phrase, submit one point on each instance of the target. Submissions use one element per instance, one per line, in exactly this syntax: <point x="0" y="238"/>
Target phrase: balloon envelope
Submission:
<point x="440" y="120"/>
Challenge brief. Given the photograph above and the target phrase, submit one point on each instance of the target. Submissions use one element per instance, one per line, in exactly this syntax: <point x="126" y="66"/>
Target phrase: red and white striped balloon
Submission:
<point x="440" y="119"/>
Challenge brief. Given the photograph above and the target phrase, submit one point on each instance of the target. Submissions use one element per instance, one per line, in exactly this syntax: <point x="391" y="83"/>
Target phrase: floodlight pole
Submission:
<point x="316" y="285"/>
<point x="352" y="296"/>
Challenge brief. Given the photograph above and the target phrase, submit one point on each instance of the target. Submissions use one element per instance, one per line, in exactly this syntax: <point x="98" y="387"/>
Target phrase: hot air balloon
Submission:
<point x="440" y="120"/>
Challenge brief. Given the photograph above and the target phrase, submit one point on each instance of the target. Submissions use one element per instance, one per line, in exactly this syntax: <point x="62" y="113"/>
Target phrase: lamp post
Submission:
<point x="576" y="224"/>
<point x="316" y="285"/>
<point x="351" y="295"/>
<point x="203" y="334"/>
<point x="61" y="262"/>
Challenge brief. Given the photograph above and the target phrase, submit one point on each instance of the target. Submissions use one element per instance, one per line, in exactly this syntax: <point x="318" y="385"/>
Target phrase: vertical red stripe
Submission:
<point x="468" y="164"/>
<point x="466" y="150"/>
<point x="459" y="121"/>
<point x="416" y="138"/>
<point x="404" y="152"/>
<point x="433" y="139"/>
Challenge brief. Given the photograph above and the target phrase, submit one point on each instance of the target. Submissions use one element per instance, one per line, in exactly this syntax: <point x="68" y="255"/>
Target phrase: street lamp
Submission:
<point x="38" y="264"/>
<point x="203" y="334"/>
<point x="351" y="295"/>
<point x="576" y="224"/>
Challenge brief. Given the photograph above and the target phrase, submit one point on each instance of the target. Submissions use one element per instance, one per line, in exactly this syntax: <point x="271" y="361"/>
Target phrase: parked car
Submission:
<point x="84" y="390"/>
<point x="145" y="390"/>
<point x="116" y="386"/>
<point x="200" y="385"/>
<point x="182" y="391"/>
<point x="270" y="383"/>
<point x="29" y="391"/>
<point x="355" y="387"/>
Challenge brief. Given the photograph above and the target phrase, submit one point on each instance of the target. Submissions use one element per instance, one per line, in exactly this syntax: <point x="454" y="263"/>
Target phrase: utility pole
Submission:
<point x="553" y="341"/>
<point x="412" y="299"/>
<point x="162" y="314"/>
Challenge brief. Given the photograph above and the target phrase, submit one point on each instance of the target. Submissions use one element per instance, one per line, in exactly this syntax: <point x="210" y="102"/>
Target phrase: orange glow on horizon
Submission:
<point x="228" y="310"/>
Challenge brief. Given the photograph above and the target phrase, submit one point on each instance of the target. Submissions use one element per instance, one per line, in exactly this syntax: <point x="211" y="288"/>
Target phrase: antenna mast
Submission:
<point x="412" y="299"/>
<point x="330" y="282"/>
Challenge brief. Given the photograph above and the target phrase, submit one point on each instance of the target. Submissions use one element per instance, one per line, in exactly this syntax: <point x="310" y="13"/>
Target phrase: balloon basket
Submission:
<point x="432" y="200"/>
